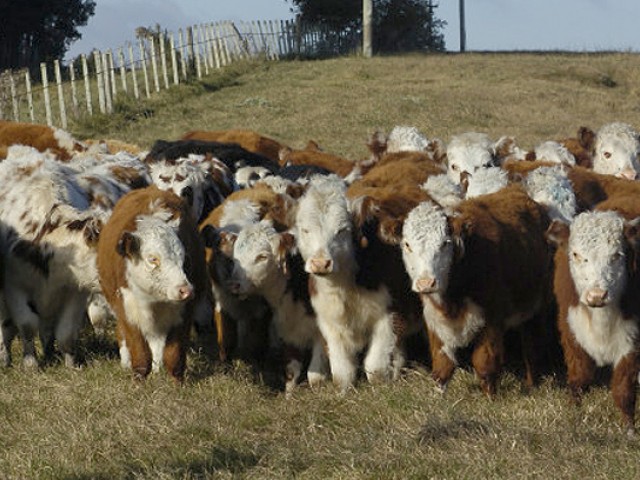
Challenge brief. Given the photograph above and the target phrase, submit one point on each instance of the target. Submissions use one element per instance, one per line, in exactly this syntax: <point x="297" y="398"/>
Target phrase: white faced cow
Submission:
<point x="617" y="150"/>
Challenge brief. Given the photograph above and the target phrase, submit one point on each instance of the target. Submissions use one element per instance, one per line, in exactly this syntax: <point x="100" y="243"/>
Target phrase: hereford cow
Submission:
<point x="51" y="246"/>
<point x="151" y="267"/>
<point x="354" y="307"/>
<point x="266" y="264"/>
<point x="470" y="151"/>
<point x="616" y="150"/>
<point x="41" y="137"/>
<point x="480" y="270"/>
<point x="596" y="284"/>
<point x="247" y="139"/>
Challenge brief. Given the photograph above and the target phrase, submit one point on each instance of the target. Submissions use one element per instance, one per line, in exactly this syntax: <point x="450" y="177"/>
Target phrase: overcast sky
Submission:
<point x="491" y="24"/>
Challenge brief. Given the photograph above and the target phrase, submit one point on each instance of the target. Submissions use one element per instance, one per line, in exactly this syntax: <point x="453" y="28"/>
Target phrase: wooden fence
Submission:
<point x="156" y="61"/>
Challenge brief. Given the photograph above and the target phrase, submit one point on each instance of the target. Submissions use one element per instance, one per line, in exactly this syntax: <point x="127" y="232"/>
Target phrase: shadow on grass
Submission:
<point x="437" y="430"/>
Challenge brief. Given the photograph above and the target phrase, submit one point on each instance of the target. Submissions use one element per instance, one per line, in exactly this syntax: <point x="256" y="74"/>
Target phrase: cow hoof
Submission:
<point x="29" y="362"/>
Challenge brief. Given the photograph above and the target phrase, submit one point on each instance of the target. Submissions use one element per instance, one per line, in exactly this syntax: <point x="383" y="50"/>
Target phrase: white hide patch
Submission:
<point x="278" y="184"/>
<point x="617" y="148"/>
<point x="406" y="139"/>
<point x="454" y="335"/>
<point x="469" y="152"/>
<point x="427" y="249"/>
<point x="158" y="275"/>
<point x="246" y="177"/>
<point x="604" y="334"/>
<point x="551" y="151"/>
<point x="596" y="253"/>
<point x="239" y="213"/>
<point x="485" y="181"/>
<point x="551" y="188"/>
<point x="323" y="223"/>
<point x="442" y="190"/>
<point x="65" y="140"/>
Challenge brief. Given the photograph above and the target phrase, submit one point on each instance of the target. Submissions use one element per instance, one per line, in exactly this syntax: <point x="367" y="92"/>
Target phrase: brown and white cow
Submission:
<point x="596" y="284"/>
<point x="353" y="304"/>
<point x="41" y="137"/>
<point x="480" y="269"/>
<point x="266" y="264"/>
<point x="151" y="267"/>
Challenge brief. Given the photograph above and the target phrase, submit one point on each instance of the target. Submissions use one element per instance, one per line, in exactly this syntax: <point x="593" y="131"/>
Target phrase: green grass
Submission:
<point x="226" y="421"/>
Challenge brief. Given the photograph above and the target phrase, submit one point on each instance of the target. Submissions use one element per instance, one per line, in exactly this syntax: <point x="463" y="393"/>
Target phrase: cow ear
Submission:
<point x="128" y="245"/>
<point x="391" y="230"/>
<point x="460" y="232"/>
<point x="286" y="245"/>
<point x="464" y="183"/>
<point x="283" y="154"/>
<point x="503" y="148"/>
<point x="210" y="236"/>
<point x="312" y="146"/>
<point x="377" y="145"/>
<point x="557" y="233"/>
<point x="92" y="231"/>
<point x="632" y="233"/>
<point x="586" y="138"/>
<point x="227" y="241"/>
<point x="438" y="151"/>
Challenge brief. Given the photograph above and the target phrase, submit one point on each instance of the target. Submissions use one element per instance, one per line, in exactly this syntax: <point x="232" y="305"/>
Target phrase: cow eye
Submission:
<point x="455" y="167"/>
<point x="407" y="247"/>
<point x="153" y="260"/>
<point x="607" y="154"/>
<point x="618" y="255"/>
<point x="260" y="258"/>
<point x="577" y="257"/>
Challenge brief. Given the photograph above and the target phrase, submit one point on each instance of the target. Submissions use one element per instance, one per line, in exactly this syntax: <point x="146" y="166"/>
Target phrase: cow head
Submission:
<point x="259" y="258"/>
<point x="324" y="227"/>
<point x="428" y="248"/>
<point x="155" y="259"/>
<point x="617" y="150"/>
<point x="597" y="250"/>
<point x="468" y="152"/>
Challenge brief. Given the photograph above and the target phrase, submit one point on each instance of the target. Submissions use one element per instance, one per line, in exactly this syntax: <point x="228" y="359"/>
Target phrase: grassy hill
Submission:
<point x="226" y="421"/>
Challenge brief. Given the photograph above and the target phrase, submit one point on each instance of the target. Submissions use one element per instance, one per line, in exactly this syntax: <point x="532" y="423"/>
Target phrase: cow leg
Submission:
<point x="293" y="368"/>
<point x="27" y="322"/>
<point x="342" y="360"/>
<point x="225" y="330"/>
<point x="527" y="332"/>
<point x="203" y="322"/>
<point x="623" y="388"/>
<point x="377" y="362"/>
<point x="175" y="352"/>
<point x="68" y="327"/>
<point x="580" y="366"/>
<point x="125" y="355"/>
<point x="138" y="350"/>
<point x="9" y="332"/>
<point x="442" y="366"/>
<point x="488" y="358"/>
<point x="317" y="371"/>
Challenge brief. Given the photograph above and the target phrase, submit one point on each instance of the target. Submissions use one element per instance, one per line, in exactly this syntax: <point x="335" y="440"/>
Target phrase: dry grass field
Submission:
<point x="229" y="421"/>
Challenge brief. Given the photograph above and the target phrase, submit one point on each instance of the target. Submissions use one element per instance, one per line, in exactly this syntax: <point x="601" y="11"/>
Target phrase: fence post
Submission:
<point x="183" y="59"/>
<point x="111" y="77"/>
<point x="14" y="97"/>
<point x="143" y="59"/>
<point x="214" y="45"/>
<point x="196" y="51"/>
<point x="27" y="81"/>
<point x="97" y="57"/>
<point x="134" y="74"/>
<point x="74" y="92"/>
<point x="45" y="89"/>
<point x="123" y="70"/>
<point x="174" y="60"/>
<point x="209" y="43"/>
<point x="154" y="64"/>
<point x="163" y="60"/>
<point x="107" y="80"/>
<point x="87" y="85"/>
<point x="63" y="110"/>
<point x="190" y="49"/>
<point x="202" y="44"/>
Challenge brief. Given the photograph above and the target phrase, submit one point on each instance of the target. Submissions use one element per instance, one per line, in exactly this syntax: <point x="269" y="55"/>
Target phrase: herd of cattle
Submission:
<point x="243" y="243"/>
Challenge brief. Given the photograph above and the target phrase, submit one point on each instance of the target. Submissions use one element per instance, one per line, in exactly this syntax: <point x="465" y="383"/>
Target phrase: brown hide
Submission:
<point x="247" y="139"/>
<point x="39" y="137"/>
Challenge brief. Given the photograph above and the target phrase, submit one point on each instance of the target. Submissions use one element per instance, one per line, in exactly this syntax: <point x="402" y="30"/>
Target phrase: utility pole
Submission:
<point x="367" y="23"/>
<point x="463" y="33"/>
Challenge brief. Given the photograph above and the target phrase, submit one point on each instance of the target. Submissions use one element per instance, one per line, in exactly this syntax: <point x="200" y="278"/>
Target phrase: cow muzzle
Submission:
<point x="629" y="174"/>
<point x="320" y="265"/>
<point x="184" y="292"/>
<point x="426" y="285"/>
<point x="597" y="297"/>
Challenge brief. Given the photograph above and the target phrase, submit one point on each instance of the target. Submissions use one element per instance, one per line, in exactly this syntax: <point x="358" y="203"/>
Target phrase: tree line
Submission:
<point x="38" y="31"/>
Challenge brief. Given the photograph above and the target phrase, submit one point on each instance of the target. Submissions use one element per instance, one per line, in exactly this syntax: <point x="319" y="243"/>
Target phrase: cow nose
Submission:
<point x="234" y="287"/>
<point x="321" y="265"/>
<point x="185" y="292"/>
<point x="629" y="174"/>
<point x="426" y="285"/>
<point x="187" y="194"/>
<point x="597" y="297"/>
